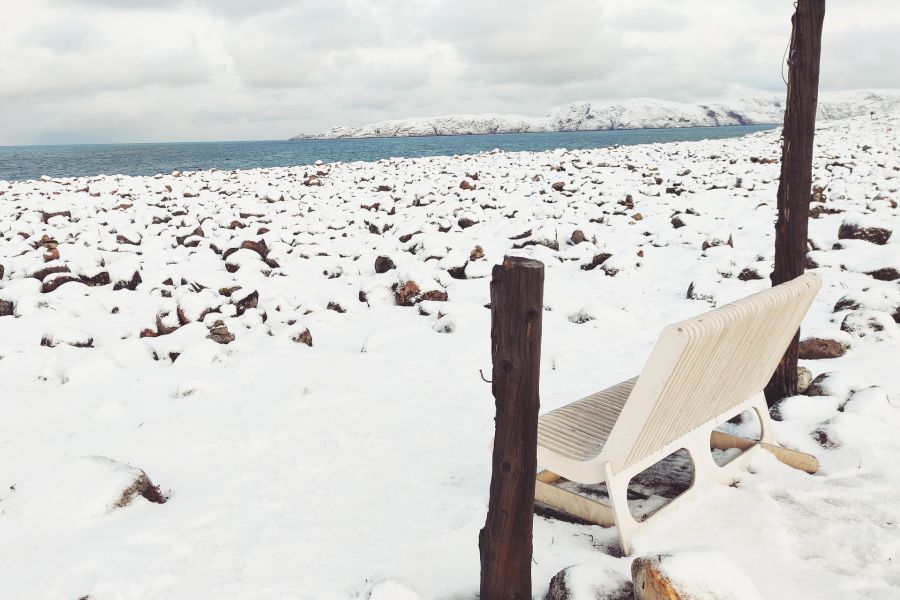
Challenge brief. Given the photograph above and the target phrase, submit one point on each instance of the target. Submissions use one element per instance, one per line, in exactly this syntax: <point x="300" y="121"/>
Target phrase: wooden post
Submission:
<point x="794" y="186"/>
<point x="517" y="298"/>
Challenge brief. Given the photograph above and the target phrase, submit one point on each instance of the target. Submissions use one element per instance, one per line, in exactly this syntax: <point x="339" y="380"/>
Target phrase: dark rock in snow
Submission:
<point x="598" y="260"/>
<point x="817" y="348"/>
<point x="383" y="264"/>
<point x="853" y="231"/>
<point x="7" y="308"/>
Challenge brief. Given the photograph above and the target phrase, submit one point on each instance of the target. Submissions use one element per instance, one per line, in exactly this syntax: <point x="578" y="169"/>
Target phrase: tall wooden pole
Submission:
<point x="517" y="298"/>
<point x="794" y="186"/>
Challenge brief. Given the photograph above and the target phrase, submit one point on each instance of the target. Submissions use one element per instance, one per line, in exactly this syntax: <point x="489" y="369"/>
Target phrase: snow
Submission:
<point x="635" y="113"/>
<point x="323" y="471"/>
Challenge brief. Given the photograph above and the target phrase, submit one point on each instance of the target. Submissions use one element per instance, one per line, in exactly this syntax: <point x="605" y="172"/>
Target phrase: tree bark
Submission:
<point x="794" y="186"/>
<point x="505" y="543"/>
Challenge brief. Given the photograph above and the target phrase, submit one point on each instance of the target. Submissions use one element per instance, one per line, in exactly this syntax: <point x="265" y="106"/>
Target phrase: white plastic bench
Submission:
<point x="701" y="372"/>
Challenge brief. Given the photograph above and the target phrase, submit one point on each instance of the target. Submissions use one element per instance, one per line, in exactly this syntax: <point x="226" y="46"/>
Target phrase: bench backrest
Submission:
<point x="704" y="367"/>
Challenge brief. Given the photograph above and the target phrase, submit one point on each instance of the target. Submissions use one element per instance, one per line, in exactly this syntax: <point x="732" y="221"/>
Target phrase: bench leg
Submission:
<point x="618" y="497"/>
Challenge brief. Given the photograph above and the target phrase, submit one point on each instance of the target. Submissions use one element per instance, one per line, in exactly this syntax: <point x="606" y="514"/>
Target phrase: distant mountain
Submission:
<point x="637" y="113"/>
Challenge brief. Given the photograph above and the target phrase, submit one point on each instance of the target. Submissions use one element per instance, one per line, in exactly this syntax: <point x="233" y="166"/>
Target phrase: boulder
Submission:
<point x="383" y="264"/>
<point x="718" y="239"/>
<point x="408" y="293"/>
<point x="595" y="262"/>
<point x="577" y="237"/>
<point x="864" y="322"/>
<point x="303" y="337"/>
<point x="7" y="308"/>
<point x="693" y="574"/>
<point x="826" y="345"/>
<point x="834" y="383"/>
<point x="590" y="582"/>
<point x="64" y="335"/>
<point x="856" y="229"/>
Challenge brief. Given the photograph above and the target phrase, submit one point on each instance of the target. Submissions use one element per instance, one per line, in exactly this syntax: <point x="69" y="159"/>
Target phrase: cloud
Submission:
<point x="141" y="70"/>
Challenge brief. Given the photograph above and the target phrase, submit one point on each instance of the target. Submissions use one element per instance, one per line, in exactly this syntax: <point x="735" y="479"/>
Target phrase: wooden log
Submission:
<point x="794" y="186"/>
<point x="574" y="504"/>
<point x="793" y="458"/>
<point x="505" y="542"/>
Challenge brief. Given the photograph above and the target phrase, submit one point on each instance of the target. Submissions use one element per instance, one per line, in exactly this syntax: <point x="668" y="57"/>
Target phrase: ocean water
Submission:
<point x="76" y="160"/>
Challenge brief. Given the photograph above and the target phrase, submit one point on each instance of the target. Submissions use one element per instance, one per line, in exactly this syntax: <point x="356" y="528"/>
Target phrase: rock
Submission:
<point x="458" y="272"/>
<point x="41" y="274"/>
<point x="696" y="291"/>
<point x="465" y="184"/>
<point x="244" y="301"/>
<point x="466" y="222"/>
<point x="695" y="574"/>
<point x="54" y="281"/>
<point x="677" y="222"/>
<point x="717" y="239"/>
<point x="871" y="402"/>
<point x="749" y="274"/>
<point x="141" y="486"/>
<point x="303" y="337"/>
<point x="558" y="186"/>
<point x="884" y="274"/>
<point x="312" y="180"/>
<point x="101" y="278"/>
<point x="336" y="307"/>
<point x="383" y="264"/>
<point x="130" y="284"/>
<point x="62" y="334"/>
<point x="854" y="229"/>
<point x="219" y="333"/>
<point x="407" y="293"/>
<point x="834" y="383"/>
<point x="476" y="253"/>
<point x="598" y="260"/>
<point x="590" y="582"/>
<point x="132" y="239"/>
<point x="821" y="347"/>
<point x="804" y="378"/>
<point x="577" y="237"/>
<point x="7" y="308"/>
<point x="862" y="322"/>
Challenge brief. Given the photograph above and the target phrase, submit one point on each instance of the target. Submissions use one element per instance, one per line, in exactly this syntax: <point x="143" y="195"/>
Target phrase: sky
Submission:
<point x="85" y="71"/>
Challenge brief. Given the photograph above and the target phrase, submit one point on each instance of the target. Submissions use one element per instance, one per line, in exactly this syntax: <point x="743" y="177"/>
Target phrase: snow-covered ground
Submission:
<point x="314" y="472"/>
<point x="636" y="113"/>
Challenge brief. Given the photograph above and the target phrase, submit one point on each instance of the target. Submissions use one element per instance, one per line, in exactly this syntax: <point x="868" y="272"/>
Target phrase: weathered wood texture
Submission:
<point x="517" y="295"/>
<point x="794" y="186"/>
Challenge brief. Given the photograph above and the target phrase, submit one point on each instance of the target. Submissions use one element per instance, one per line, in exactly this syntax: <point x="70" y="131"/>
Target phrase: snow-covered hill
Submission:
<point x="637" y="113"/>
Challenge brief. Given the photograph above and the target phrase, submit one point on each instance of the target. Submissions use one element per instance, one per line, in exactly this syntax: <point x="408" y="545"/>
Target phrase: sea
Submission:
<point x="19" y="163"/>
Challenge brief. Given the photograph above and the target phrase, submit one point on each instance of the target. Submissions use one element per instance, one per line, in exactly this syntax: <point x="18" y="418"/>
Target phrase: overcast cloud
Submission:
<point x="166" y="70"/>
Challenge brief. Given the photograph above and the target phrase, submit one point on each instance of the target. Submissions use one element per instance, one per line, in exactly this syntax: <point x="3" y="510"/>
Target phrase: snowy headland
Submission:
<point x="289" y="357"/>
<point x="637" y="113"/>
